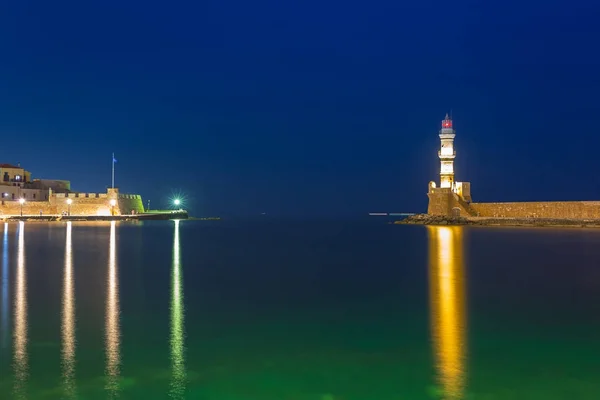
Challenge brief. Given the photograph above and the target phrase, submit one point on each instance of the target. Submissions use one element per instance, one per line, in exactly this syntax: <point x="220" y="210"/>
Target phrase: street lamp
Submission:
<point x="69" y="202"/>
<point x="177" y="202"/>
<point x="21" y="201"/>
<point x="113" y="203"/>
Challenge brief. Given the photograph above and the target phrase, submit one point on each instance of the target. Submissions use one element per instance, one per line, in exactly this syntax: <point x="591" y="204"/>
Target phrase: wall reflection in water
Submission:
<point x="113" y="330"/>
<point x="447" y="305"/>
<point x="20" y="358"/>
<point x="178" y="379"/>
<point x="68" y="320"/>
<point x="5" y="291"/>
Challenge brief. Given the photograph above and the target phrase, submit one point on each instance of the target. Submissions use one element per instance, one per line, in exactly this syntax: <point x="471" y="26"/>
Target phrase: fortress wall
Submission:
<point x="547" y="209"/>
<point x="129" y="203"/>
<point x="29" y="208"/>
<point x="82" y="204"/>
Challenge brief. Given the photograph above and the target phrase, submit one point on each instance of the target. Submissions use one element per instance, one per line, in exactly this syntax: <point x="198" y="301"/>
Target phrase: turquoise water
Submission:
<point x="320" y="310"/>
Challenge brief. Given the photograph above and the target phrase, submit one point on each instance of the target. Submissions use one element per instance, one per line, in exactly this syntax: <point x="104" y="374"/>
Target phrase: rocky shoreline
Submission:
<point x="425" y="219"/>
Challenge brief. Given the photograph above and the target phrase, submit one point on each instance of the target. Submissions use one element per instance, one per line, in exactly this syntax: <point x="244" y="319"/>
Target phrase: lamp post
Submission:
<point x="69" y="202"/>
<point x="113" y="203"/>
<point x="21" y="201"/>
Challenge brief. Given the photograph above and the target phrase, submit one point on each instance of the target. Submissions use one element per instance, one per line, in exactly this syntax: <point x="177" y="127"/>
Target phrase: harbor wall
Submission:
<point x="445" y="203"/>
<point x="542" y="209"/>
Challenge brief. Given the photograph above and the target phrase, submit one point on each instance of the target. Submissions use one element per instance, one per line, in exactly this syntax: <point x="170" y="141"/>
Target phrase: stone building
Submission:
<point x="14" y="174"/>
<point x="16" y="183"/>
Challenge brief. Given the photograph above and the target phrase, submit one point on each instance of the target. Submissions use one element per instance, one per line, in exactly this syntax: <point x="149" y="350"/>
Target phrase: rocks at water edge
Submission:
<point x="426" y="219"/>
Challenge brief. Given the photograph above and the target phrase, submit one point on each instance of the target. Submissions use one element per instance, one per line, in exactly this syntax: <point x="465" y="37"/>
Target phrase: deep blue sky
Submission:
<point x="301" y="107"/>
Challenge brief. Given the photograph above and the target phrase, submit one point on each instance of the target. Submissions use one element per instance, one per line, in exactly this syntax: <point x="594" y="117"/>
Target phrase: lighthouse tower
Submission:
<point x="451" y="198"/>
<point x="447" y="154"/>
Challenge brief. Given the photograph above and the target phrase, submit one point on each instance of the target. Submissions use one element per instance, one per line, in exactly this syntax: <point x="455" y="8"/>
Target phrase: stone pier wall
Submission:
<point x="442" y="202"/>
<point x="545" y="209"/>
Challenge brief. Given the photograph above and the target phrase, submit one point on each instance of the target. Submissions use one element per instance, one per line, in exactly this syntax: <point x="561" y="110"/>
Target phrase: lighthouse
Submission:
<point x="451" y="198"/>
<point x="447" y="154"/>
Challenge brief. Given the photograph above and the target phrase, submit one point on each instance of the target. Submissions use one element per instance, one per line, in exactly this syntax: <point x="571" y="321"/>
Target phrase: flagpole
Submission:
<point x="113" y="170"/>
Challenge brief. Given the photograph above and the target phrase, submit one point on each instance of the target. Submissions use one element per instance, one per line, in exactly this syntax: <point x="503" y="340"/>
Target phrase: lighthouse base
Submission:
<point x="451" y="202"/>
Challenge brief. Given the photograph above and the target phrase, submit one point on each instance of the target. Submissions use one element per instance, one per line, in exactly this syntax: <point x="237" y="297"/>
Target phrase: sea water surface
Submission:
<point x="290" y="310"/>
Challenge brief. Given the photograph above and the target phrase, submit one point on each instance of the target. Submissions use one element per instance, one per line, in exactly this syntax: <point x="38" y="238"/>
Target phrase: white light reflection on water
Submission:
<point x="20" y="357"/>
<point x="113" y="330"/>
<point x="178" y="377"/>
<point x="68" y="321"/>
<point x="5" y="291"/>
<point x="447" y="302"/>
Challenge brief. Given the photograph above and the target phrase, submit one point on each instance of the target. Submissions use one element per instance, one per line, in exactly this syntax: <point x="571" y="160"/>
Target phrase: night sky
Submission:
<point x="303" y="107"/>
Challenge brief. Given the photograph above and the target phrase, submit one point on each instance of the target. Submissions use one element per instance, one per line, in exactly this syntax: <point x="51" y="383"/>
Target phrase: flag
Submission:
<point x="114" y="159"/>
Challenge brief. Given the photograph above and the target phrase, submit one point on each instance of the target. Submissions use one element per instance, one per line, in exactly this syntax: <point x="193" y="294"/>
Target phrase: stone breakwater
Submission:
<point x="426" y="219"/>
<point x="63" y="218"/>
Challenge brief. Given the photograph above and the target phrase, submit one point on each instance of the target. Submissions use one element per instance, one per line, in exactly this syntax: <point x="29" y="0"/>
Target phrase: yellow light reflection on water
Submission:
<point x="113" y="330"/>
<point x="68" y="320"/>
<point x="447" y="304"/>
<point x="178" y="373"/>
<point x="5" y="310"/>
<point x="21" y="366"/>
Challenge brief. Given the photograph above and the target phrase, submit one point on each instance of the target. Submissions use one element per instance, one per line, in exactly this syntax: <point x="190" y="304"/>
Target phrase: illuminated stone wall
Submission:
<point x="442" y="202"/>
<point x="546" y="209"/>
<point x="29" y="208"/>
<point x="130" y="202"/>
<point x="82" y="204"/>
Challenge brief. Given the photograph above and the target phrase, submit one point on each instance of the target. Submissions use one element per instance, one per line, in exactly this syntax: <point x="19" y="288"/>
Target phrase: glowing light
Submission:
<point x="177" y="199"/>
<point x="447" y="168"/>
<point x="20" y="358"/>
<point x="447" y="303"/>
<point x="68" y="321"/>
<point x="447" y="151"/>
<point x="21" y="200"/>
<point x="104" y="211"/>
<point x="69" y="201"/>
<point x="178" y="373"/>
<point x="113" y="330"/>
<point x="113" y="202"/>
<point x="4" y="311"/>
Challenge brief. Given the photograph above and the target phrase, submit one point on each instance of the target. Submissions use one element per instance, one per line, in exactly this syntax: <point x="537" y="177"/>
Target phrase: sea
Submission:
<point x="297" y="310"/>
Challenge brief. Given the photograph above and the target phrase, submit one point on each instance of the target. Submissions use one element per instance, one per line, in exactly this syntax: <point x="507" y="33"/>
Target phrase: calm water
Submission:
<point x="298" y="311"/>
